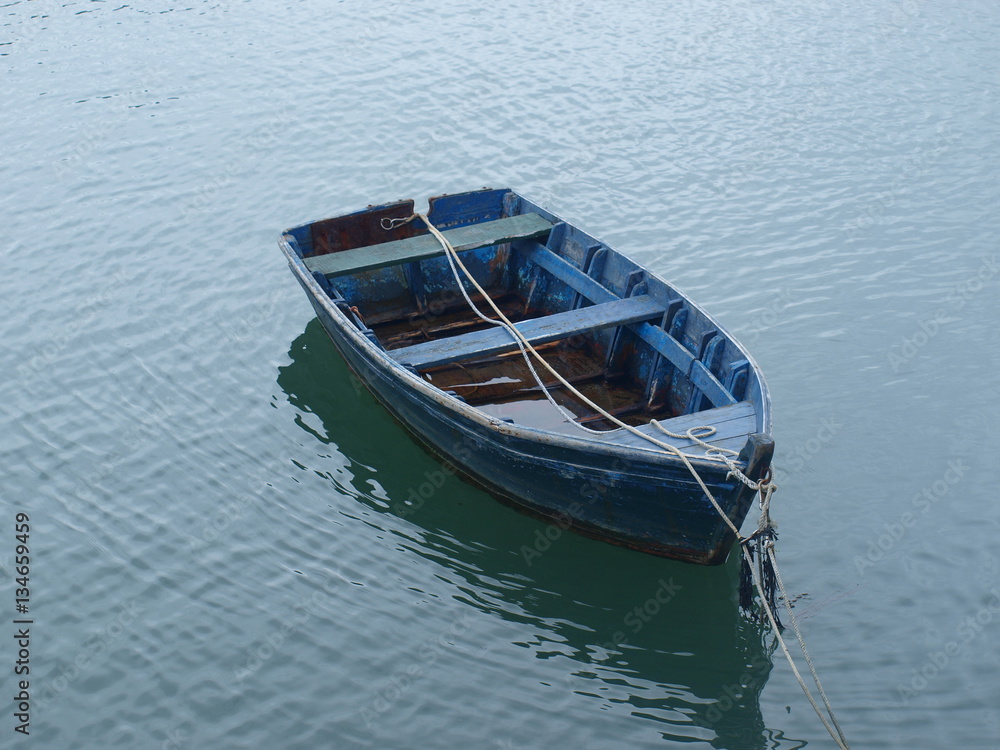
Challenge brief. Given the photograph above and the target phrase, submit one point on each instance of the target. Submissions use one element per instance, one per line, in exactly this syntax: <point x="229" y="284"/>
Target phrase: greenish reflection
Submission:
<point x="663" y="637"/>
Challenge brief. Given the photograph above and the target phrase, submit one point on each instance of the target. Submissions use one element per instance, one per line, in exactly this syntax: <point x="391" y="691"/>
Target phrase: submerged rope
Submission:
<point x="765" y="573"/>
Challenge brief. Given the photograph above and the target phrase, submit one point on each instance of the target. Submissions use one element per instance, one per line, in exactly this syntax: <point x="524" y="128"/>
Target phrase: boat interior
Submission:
<point x="621" y="336"/>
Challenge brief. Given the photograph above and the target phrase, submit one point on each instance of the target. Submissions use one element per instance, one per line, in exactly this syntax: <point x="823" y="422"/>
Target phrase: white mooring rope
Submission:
<point x="694" y="434"/>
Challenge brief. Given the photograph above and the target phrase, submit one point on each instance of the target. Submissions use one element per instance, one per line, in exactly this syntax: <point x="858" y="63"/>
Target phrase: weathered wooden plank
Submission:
<point x="358" y="229"/>
<point x="538" y="331"/>
<point x="733" y="423"/>
<point x="426" y="245"/>
<point x="729" y="420"/>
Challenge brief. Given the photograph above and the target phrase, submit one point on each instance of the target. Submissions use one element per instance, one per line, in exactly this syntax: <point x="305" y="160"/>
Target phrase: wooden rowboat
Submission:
<point x="625" y="339"/>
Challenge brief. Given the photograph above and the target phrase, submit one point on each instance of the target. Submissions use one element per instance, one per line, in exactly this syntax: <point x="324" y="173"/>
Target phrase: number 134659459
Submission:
<point x="22" y="563"/>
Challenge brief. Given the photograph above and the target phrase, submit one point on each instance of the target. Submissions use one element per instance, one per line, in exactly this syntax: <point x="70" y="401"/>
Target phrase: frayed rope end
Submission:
<point x="757" y="546"/>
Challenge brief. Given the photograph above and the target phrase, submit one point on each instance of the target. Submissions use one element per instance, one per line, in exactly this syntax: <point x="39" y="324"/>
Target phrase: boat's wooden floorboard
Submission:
<point x="444" y="321"/>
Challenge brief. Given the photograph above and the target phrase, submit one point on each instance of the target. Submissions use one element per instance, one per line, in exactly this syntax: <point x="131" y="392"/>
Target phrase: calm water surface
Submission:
<point x="219" y="555"/>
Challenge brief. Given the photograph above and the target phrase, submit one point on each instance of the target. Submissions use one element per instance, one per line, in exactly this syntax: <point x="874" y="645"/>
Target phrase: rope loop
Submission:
<point x="702" y="432"/>
<point x="393" y="223"/>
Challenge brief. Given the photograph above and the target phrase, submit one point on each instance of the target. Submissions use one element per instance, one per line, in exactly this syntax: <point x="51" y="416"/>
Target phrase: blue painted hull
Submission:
<point x="631" y="496"/>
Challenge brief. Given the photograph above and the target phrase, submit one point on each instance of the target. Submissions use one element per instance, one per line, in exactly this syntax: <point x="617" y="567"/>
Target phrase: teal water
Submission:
<point x="219" y="552"/>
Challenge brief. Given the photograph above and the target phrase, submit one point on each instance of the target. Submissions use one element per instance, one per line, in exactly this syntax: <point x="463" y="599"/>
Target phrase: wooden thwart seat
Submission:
<point x="523" y="226"/>
<point x="496" y="340"/>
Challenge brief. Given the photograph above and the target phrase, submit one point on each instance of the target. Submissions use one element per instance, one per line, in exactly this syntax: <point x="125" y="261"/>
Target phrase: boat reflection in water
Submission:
<point x="660" y="640"/>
